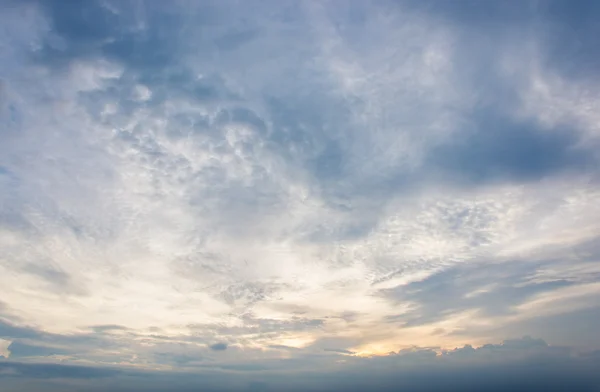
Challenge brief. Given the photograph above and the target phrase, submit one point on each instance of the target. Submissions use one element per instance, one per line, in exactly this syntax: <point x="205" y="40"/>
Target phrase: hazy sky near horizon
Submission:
<point x="235" y="194"/>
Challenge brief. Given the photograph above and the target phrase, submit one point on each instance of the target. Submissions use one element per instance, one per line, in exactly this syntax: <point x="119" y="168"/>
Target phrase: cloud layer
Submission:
<point x="295" y="185"/>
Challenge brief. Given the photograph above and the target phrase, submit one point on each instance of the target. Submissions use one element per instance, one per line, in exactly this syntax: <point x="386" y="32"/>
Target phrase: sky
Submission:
<point x="299" y="195"/>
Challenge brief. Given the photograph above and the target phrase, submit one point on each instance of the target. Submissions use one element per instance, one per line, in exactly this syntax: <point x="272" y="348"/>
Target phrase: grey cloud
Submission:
<point x="306" y="129"/>
<point x="302" y="125"/>
<point x="525" y="342"/>
<point x="568" y="328"/>
<point x="105" y="344"/>
<point x="488" y="16"/>
<point x="247" y="293"/>
<point x="573" y="52"/>
<point x="218" y="346"/>
<point x="501" y="285"/>
<point x="86" y="29"/>
<point x="108" y="328"/>
<point x="519" y="365"/>
<point x="92" y="29"/>
<point x="499" y="149"/>
<point x="56" y="278"/>
<point x="19" y="350"/>
<point x="526" y="345"/>
<point x="258" y="386"/>
<point x="245" y="367"/>
<point x="9" y="330"/>
<point x="49" y="370"/>
<point x="31" y="341"/>
<point x="490" y="144"/>
<point x="565" y="30"/>
<point x="177" y="359"/>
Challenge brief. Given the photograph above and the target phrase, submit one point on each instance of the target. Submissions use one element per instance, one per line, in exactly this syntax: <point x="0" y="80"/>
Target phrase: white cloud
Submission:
<point x="142" y="93"/>
<point x="4" y="351"/>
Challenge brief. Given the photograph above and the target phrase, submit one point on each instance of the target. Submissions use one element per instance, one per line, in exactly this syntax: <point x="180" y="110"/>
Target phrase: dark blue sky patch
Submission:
<point x="500" y="149"/>
<point x="566" y="29"/>
<point x="484" y="15"/>
<point x="86" y="29"/>
<point x="571" y="31"/>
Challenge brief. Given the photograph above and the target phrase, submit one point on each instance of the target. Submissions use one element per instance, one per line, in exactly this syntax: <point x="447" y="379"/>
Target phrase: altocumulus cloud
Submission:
<point x="299" y="195"/>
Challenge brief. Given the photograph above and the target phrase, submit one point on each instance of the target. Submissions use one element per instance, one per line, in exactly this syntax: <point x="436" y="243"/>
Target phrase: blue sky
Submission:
<point x="321" y="195"/>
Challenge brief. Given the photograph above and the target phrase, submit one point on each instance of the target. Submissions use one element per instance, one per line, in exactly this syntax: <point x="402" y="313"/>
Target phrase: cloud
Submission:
<point x="27" y="370"/>
<point x="19" y="350"/>
<point x="518" y="364"/>
<point x="340" y="351"/>
<point x="218" y="346"/>
<point x="4" y="348"/>
<point x="505" y="151"/>
<point x="107" y="328"/>
<point x="290" y="185"/>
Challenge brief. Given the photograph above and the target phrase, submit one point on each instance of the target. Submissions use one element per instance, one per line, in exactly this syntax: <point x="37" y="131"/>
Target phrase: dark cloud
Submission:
<point x="306" y="130"/>
<point x="525" y="364"/>
<point x="572" y="327"/>
<point x="568" y="31"/>
<point x="47" y="370"/>
<point x="18" y="349"/>
<point x="9" y="330"/>
<point x="218" y="346"/>
<point x="564" y="29"/>
<point x="505" y="150"/>
<point x="258" y="386"/>
<point x="491" y="288"/>
<point x="176" y="359"/>
<point x="31" y="341"/>
<point x="88" y="29"/>
<point x="485" y="16"/>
